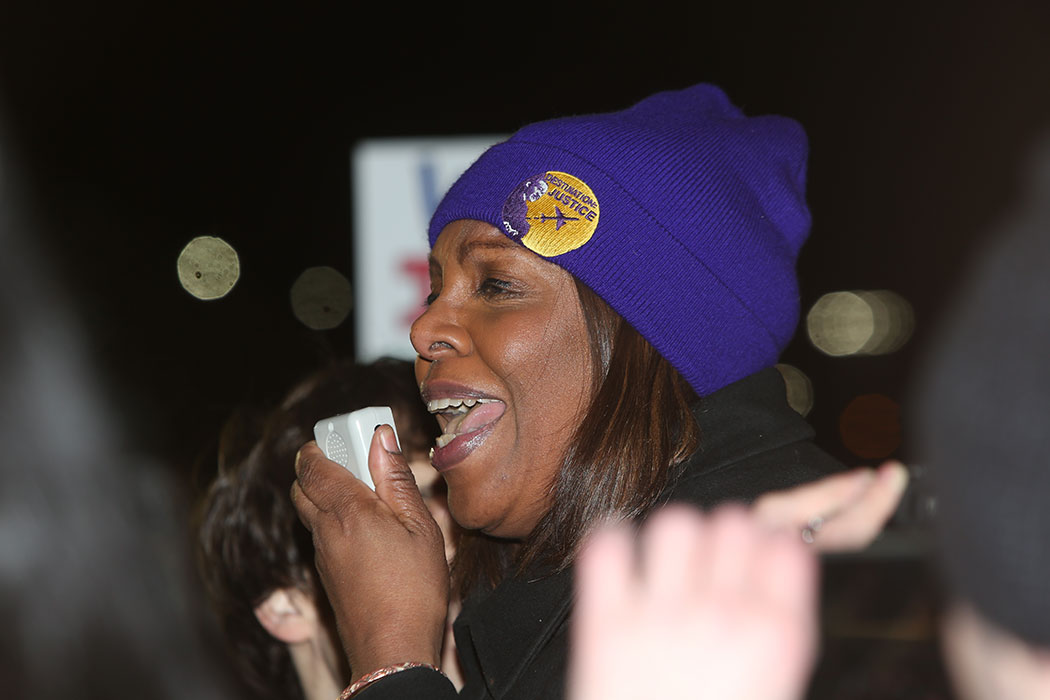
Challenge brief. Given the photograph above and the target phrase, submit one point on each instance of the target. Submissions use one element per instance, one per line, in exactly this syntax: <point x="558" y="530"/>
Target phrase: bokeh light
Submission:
<point x="840" y="323"/>
<point x="870" y="426"/>
<point x="875" y="322"/>
<point x="321" y="298"/>
<point x="799" y="388"/>
<point x="894" y="322"/>
<point x="208" y="267"/>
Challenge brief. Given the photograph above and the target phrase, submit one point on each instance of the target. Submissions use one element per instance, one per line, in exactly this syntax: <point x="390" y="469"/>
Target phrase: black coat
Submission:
<point x="513" y="641"/>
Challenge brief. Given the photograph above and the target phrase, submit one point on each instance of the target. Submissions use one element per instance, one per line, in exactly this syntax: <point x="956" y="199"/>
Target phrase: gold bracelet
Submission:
<point x="370" y="678"/>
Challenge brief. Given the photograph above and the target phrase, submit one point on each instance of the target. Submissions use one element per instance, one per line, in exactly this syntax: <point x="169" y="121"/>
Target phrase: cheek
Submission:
<point x="568" y="363"/>
<point x="547" y="356"/>
<point x="554" y="393"/>
<point x="420" y="370"/>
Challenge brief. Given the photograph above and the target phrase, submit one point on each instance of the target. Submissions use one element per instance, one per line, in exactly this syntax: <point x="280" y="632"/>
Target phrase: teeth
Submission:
<point x="453" y="407"/>
<point x="456" y="405"/>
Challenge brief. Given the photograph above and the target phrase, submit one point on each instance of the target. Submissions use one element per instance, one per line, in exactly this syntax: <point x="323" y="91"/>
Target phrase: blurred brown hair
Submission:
<point x="250" y="539"/>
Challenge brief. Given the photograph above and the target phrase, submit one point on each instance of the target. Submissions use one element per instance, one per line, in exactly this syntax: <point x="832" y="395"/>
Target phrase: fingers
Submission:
<point x="786" y="578"/>
<point x="793" y="508"/>
<point x="322" y="486"/>
<point x="735" y="549"/>
<point x="395" y="483"/>
<point x="713" y="595"/>
<point x="604" y="576"/>
<point x="304" y="507"/>
<point x="605" y="607"/>
<point x="673" y="552"/>
<point x="379" y="555"/>
<point x="841" y="512"/>
<point x="682" y="553"/>
<point x="859" y="523"/>
<point x="789" y="573"/>
<point x="316" y="474"/>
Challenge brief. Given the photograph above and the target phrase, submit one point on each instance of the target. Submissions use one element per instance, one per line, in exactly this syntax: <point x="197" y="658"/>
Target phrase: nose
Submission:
<point x="437" y="333"/>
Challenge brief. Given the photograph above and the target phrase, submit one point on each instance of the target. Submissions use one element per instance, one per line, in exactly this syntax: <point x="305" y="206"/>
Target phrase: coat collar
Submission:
<point x="746" y="418"/>
<point x="508" y="627"/>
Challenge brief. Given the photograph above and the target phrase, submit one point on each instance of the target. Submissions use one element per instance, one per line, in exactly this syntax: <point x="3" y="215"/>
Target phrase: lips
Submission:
<point x="466" y="416"/>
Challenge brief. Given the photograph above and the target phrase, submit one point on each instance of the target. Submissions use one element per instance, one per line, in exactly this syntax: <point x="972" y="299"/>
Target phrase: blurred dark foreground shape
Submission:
<point x="95" y="588"/>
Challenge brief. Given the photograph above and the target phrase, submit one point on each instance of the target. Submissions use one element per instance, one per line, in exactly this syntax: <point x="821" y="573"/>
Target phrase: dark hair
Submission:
<point x="619" y="461"/>
<point x="250" y="539"/>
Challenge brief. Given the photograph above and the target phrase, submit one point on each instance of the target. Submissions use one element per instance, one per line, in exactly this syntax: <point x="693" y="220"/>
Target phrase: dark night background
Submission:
<point x="141" y="126"/>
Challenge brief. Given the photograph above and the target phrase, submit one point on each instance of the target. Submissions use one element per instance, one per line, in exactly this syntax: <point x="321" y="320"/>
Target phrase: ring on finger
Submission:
<point x="810" y="530"/>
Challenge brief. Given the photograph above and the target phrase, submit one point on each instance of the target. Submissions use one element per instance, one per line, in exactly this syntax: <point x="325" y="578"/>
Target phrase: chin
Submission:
<point x="485" y="523"/>
<point x="463" y="514"/>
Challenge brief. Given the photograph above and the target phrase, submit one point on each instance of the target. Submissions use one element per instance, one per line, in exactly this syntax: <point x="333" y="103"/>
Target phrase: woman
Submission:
<point x="609" y="296"/>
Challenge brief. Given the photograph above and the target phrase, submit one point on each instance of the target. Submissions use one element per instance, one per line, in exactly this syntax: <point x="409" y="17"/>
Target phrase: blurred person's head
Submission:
<point x="93" y="566"/>
<point x="256" y="557"/>
<point x="984" y="428"/>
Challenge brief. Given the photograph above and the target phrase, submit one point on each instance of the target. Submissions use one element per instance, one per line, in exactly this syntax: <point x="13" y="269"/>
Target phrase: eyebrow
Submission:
<point x="472" y="247"/>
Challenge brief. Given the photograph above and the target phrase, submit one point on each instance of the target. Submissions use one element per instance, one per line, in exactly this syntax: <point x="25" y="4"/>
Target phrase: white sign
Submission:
<point x="397" y="184"/>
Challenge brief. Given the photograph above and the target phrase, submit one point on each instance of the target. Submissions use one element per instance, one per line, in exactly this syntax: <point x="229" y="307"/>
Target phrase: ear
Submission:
<point x="289" y="615"/>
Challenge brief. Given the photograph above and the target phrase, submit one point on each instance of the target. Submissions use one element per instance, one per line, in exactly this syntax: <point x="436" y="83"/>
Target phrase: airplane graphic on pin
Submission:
<point x="560" y="218"/>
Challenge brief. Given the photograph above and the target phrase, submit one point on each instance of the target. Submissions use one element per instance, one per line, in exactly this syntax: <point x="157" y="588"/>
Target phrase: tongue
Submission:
<point x="480" y="416"/>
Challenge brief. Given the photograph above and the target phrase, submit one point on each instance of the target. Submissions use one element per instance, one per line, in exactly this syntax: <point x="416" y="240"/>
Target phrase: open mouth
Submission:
<point x="462" y="416"/>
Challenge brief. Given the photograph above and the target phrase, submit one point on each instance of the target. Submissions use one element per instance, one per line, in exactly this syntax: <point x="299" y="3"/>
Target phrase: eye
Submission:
<point x="495" y="287"/>
<point x="435" y="288"/>
<point x="435" y="281"/>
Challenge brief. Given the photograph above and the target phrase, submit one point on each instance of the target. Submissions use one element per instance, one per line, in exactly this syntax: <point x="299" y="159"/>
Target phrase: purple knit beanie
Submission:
<point x="682" y="213"/>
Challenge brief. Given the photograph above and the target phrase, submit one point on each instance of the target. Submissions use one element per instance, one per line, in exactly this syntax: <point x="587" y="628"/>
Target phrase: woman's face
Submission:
<point x="504" y="362"/>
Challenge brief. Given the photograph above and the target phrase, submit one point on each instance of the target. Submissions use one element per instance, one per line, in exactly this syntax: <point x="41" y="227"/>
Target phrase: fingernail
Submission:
<point x="898" y="473"/>
<point x="388" y="441"/>
<point x="297" y="454"/>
